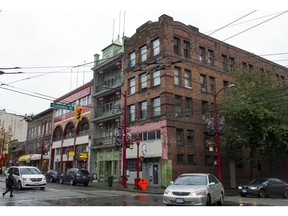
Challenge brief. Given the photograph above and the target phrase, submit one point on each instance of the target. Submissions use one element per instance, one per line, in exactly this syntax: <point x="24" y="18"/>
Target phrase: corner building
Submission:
<point x="171" y="71"/>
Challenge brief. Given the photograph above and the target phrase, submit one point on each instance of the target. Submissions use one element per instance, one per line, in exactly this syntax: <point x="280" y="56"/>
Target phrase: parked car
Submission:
<point x="194" y="189"/>
<point x="264" y="187"/>
<point x="52" y="176"/>
<point x="27" y="177"/>
<point x="74" y="176"/>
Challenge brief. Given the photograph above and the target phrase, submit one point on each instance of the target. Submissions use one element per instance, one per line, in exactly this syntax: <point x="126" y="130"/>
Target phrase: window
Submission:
<point x="177" y="74"/>
<point x="143" y="110"/>
<point x="131" y="110"/>
<point x="180" y="158"/>
<point x="176" y="46"/>
<point x="250" y="67"/>
<point x="179" y="137"/>
<point x="178" y="108"/>
<point x="187" y="79"/>
<point x="210" y="58"/>
<point x="204" y="108"/>
<point x="190" y="159"/>
<point x="131" y="83"/>
<point x="225" y="83"/>
<point x="156" y="77"/>
<point x="224" y="63"/>
<point x="188" y="107"/>
<point x="143" y="53"/>
<point x="190" y="134"/>
<point x="143" y="81"/>
<point x="132" y="59"/>
<point x="150" y="135"/>
<point x="202" y="55"/>
<point x="212" y="84"/>
<point x="232" y="64"/>
<point x="186" y="49"/>
<point x="155" y="47"/>
<point x="203" y="83"/>
<point x="156" y="106"/>
<point x="244" y="65"/>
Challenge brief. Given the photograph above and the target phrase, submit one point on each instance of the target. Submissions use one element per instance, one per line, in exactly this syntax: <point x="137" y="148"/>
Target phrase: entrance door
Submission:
<point x="155" y="173"/>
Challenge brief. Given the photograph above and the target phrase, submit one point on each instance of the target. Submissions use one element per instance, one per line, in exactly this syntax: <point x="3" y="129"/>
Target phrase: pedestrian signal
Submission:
<point x="78" y="113"/>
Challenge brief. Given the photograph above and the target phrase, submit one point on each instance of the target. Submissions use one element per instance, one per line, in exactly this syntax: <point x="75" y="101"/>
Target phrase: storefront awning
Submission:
<point x="32" y="157"/>
<point x="24" y="158"/>
<point x="38" y="157"/>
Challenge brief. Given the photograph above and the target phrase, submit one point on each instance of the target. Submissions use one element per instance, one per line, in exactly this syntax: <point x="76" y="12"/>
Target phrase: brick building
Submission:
<point x="171" y="72"/>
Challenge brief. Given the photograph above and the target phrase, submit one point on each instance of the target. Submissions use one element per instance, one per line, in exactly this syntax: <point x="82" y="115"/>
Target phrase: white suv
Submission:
<point x="27" y="177"/>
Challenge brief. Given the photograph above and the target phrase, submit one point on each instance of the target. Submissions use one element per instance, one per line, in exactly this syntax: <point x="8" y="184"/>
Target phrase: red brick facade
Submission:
<point x="180" y="47"/>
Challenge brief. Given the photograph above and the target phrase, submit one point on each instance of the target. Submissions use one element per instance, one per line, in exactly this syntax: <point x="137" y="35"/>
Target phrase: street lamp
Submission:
<point x="136" y="181"/>
<point x="217" y="132"/>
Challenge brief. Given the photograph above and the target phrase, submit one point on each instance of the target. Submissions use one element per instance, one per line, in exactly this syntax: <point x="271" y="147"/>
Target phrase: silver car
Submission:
<point x="194" y="189"/>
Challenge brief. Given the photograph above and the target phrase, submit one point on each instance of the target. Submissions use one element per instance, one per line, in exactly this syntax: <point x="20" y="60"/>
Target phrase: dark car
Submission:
<point x="74" y="176"/>
<point x="52" y="176"/>
<point x="264" y="187"/>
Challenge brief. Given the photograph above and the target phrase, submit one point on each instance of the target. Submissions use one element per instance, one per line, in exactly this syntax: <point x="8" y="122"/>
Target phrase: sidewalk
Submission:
<point x="130" y="187"/>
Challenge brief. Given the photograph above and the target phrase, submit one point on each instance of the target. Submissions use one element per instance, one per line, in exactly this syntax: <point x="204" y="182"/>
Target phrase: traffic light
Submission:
<point x="78" y="113"/>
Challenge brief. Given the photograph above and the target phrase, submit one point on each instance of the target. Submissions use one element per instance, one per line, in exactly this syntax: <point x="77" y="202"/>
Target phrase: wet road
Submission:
<point x="65" y="195"/>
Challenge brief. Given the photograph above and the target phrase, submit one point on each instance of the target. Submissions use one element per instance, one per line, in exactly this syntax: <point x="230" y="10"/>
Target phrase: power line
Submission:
<point x="255" y="25"/>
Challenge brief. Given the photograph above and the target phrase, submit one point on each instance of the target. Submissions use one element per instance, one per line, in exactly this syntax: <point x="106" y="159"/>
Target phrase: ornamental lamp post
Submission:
<point x="217" y="132"/>
<point x="137" y="179"/>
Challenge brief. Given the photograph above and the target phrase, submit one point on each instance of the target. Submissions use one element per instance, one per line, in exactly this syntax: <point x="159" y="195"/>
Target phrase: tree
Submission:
<point x="5" y="138"/>
<point x="256" y="115"/>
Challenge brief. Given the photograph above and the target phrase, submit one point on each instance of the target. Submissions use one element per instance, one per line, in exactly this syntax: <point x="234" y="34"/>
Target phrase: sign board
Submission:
<point x="83" y="155"/>
<point x="143" y="183"/>
<point x="71" y="153"/>
<point x="62" y="106"/>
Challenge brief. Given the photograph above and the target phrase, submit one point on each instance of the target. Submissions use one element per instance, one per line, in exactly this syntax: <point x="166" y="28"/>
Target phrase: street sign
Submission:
<point x="62" y="106"/>
<point x="143" y="183"/>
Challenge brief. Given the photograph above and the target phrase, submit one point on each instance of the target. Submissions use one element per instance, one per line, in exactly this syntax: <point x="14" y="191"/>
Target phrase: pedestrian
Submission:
<point x="10" y="185"/>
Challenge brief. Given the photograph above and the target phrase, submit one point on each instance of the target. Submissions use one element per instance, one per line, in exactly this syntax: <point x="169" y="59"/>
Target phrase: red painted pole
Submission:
<point x="42" y="146"/>
<point x="217" y="138"/>
<point x="124" y="143"/>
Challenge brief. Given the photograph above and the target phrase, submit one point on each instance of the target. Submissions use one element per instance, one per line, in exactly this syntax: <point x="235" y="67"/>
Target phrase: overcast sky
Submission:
<point x="48" y="37"/>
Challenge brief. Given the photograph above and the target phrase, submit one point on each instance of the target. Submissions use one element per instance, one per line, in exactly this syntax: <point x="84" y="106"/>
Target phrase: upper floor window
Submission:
<point x="131" y="86"/>
<point x="187" y="79"/>
<point x="143" y="53"/>
<point x="244" y="66"/>
<point x="186" y="49"/>
<point x="131" y="111"/>
<point x="224" y="63"/>
<point x="210" y="58"/>
<point x="178" y="108"/>
<point x="155" y="47"/>
<point x="143" y="81"/>
<point x="188" y="106"/>
<point x="143" y="110"/>
<point x="156" y="106"/>
<point x="132" y="59"/>
<point x="176" y="46"/>
<point x="232" y="64"/>
<point x="180" y="158"/>
<point x="250" y="67"/>
<point x="179" y="137"/>
<point x="203" y="83"/>
<point x="202" y="57"/>
<point x="190" y="134"/>
<point x="204" y="108"/>
<point x="177" y="75"/>
<point x="212" y="84"/>
<point x="156" y="77"/>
